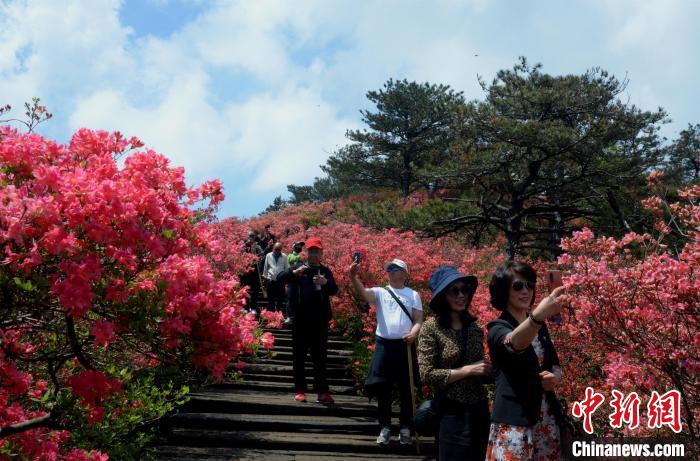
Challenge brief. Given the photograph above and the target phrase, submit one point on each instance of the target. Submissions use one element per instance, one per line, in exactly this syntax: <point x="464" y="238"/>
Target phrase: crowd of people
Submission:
<point x="445" y="351"/>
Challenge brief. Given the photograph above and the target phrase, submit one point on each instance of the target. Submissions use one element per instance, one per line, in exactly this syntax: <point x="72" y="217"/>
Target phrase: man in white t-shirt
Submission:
<point x="398" y="324"/>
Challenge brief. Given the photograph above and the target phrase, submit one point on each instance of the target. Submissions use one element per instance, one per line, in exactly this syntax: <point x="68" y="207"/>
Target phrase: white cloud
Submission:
<point x="161" y="91"/>
<point x="285" y="137"/>
<point x="656" y="33"/>
<point x="182" y="126"/>
<point x="644" y="23"/>
<point x="304" y="66"/>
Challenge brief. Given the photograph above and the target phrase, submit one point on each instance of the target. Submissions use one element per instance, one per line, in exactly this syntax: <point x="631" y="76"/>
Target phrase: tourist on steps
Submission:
<point x="276" y="263"/>
<point x="267" y="240"/>
<point x="525" y="408"/>
<point x="313" y="285"/>
<point x="293" y="258"/>
<point x="399" y="317"/>
<point x="451" y="360"/>
<point x="251" y="277"/>
<point x="295" y="255"/>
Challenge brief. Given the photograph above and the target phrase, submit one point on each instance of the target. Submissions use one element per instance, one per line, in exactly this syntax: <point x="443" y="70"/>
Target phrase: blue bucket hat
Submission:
<point x="444" y="276"/>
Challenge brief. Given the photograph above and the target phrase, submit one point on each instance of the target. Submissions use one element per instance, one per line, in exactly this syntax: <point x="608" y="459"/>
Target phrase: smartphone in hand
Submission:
<point x="356" y="257"/>
<point x="554" y="280"/>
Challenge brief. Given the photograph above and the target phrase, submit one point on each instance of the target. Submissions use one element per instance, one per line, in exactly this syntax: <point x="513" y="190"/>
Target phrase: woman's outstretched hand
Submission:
<point x="549" y="306"/>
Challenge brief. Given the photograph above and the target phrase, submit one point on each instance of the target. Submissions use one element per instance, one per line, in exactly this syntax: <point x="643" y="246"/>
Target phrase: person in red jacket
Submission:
<point x="311" y="286"/>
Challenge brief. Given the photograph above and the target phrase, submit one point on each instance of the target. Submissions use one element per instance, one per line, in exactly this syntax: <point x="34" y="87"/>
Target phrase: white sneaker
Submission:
<point x="405" y="436"/>
<point x="384" y="436"/>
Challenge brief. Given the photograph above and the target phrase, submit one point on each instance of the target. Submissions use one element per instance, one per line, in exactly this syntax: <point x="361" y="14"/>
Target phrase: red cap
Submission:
<point x="313" y="242"/>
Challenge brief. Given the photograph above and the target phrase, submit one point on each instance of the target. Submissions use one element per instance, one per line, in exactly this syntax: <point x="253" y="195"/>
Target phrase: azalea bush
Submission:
<point x="113" y="295"/>
<point x="635" y="309"/>
<point x="632" y="310"/>
<point x="341" y="231"/>
<point x="120" y="290"/>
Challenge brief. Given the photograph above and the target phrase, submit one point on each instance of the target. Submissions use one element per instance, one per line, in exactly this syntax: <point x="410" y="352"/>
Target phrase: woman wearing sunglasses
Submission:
<point x="451" y="361"/>
<point x="526" y="368"/>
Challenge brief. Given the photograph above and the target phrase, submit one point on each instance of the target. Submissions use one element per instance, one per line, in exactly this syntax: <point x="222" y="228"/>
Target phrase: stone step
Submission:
<point x="331" y="351"/>
<point x="287" y="335"/>
<point x="278" y="423"/>
<point x="331" y="358"/>
<point x="334" y="443"/>
<point x="285" y="357"/>
<point x="287" y="370"/>
<point x="182" y="453"/>
<point x="288" y="361"/>
<point x="332" y="343"/>
<point x="289" y="379"/>
<point x="241" y="401"/>
<point x="287" y="329"/>
<point x="261" y="386"/>
<point x="258" y="418"/>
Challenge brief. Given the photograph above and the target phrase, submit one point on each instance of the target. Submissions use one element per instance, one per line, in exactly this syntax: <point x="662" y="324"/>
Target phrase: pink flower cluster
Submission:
<point x="634" y="301"/>
<point x="272" y="319"/>
<point x="102" y="239"/>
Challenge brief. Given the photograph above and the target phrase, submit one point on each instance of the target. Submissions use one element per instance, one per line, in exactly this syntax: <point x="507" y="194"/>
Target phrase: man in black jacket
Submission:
<point x="251" y="277"/>
<point x="311" y="286"/>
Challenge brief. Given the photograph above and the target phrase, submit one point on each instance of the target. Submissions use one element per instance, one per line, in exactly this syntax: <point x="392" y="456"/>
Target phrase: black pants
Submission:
<point x="275" y="295"/>
<point x="464" y="436"/>
<point x="384" y="401"/>
<point x="292" y="294"/>
<point x="252" y="280"/>
<point x="310" y="334"/>
<point x="389" y="366"/>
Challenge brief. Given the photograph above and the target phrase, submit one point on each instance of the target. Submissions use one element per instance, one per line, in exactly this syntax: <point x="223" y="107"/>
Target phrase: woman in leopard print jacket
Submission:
<point x="451" y="361"/>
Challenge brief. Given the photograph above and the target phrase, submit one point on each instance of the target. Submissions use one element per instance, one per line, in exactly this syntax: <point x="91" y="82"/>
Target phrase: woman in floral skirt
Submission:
<point x="526" y="367"/>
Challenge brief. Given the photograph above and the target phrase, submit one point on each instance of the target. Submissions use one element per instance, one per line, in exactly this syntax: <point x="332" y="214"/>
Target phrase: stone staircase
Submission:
<point x="257" y="418"/>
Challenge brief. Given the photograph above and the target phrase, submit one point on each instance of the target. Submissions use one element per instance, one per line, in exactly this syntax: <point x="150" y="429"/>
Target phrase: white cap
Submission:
<point x="398" y="263"/>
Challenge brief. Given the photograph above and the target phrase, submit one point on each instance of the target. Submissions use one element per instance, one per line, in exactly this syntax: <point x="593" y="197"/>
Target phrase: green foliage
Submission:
<point x="411" y="128"/>
<point x="277" y="204"/>
<point x="406" y="215"/>
<point x="683" y="158"/>
<point x="539" y="157"/>
<point x="127" y="430"/>
<point x="324" y="189"/>
<point x="547" y="154"/>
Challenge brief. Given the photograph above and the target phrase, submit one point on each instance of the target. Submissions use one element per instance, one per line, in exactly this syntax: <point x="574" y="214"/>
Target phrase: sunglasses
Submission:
<point x="518" y="285"/>
<point x="454" y="291"/>
<point x="393" y="269"/>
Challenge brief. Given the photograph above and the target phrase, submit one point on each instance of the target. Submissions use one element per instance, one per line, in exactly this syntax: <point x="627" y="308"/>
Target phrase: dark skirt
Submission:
<point x="390" y="365"/>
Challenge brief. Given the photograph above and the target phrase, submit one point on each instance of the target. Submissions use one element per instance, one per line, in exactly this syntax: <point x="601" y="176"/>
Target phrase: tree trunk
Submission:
<point x="406" y="175"/>
<point x="513" y="236"/>
<point x="612" y="201"/>
<point x="405" y="184"/>
<point x="556" y="223"/>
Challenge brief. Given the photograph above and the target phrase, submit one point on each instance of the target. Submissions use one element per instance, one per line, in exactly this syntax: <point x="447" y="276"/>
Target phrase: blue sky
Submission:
<point x="258" y="93"/>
